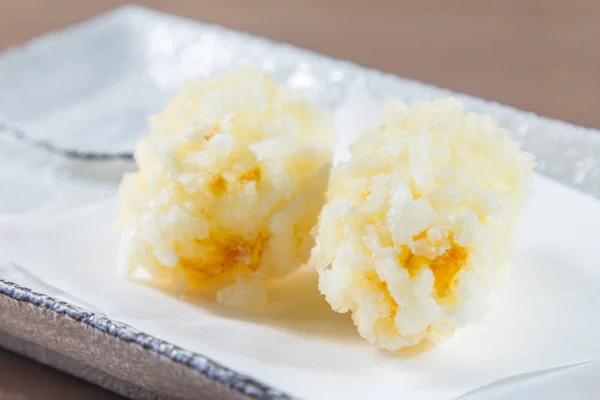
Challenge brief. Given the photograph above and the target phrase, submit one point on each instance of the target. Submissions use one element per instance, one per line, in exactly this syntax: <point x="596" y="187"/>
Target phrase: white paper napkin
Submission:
<point x="545" y="317"/>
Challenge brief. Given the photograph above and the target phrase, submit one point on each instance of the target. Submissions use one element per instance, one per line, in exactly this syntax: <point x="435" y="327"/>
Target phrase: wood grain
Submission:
<point x="538" y="55"/>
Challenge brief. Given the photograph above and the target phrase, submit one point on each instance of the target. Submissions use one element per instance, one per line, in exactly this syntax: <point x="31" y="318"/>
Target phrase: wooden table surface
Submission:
<point x="538" y="55"/>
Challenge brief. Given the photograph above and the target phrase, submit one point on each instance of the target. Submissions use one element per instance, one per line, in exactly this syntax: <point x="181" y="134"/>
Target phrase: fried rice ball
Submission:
<point x="420" y="222"/>
<point x="231" y="181"/>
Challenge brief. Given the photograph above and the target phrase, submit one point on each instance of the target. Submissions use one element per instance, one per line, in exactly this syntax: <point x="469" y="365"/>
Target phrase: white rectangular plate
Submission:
<point x="90" y="88"/>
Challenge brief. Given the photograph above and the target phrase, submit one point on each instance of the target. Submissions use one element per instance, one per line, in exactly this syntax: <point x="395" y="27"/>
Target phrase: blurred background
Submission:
<point x="536" y="55"/>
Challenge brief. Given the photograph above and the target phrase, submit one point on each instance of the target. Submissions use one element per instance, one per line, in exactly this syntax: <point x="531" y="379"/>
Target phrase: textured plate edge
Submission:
<point x="72" y="367"/>
<point x="123" y="332"/>
<point x="209" y="368"/>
